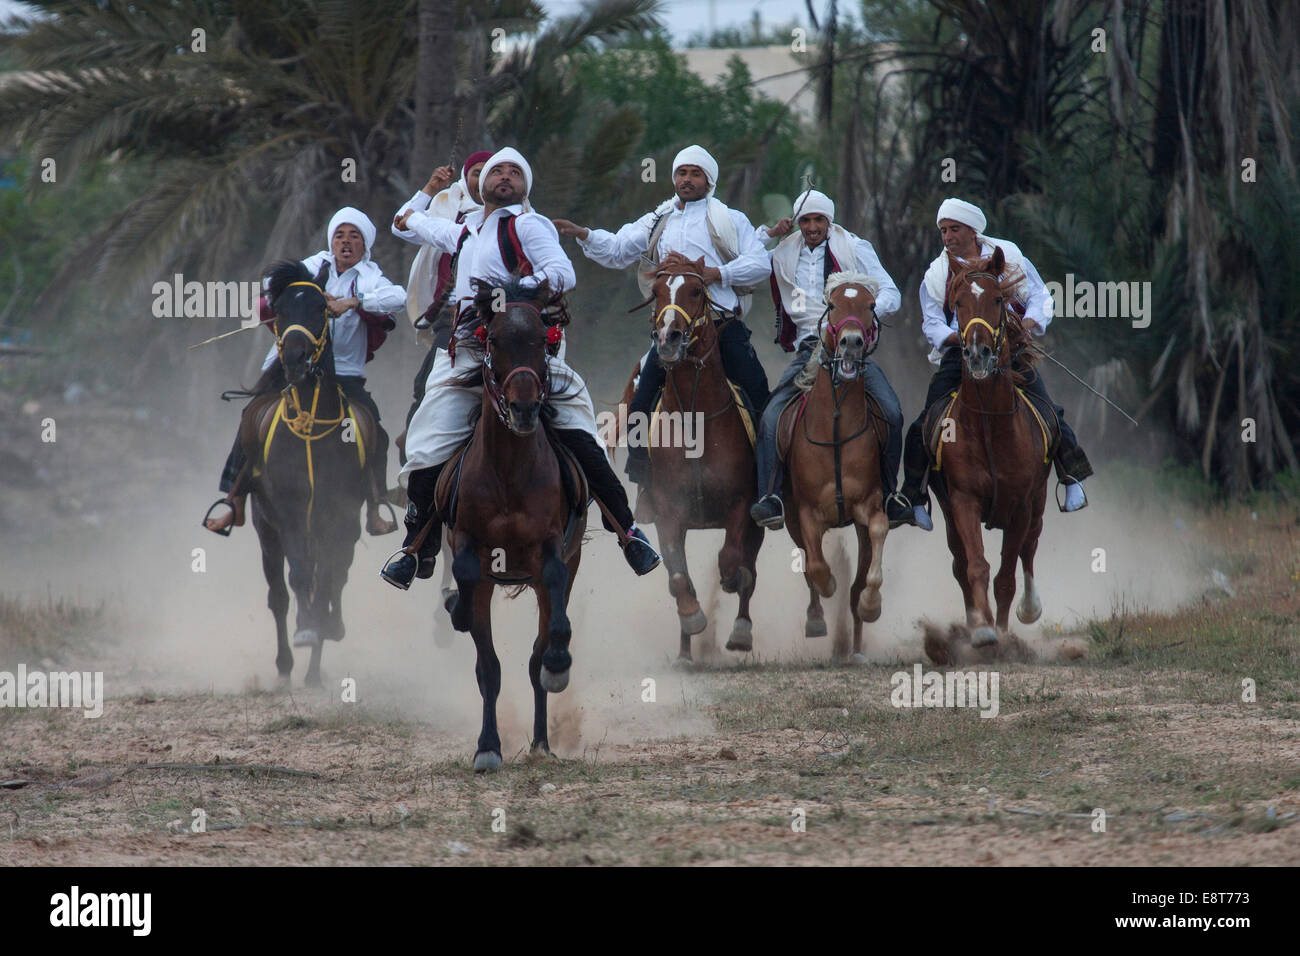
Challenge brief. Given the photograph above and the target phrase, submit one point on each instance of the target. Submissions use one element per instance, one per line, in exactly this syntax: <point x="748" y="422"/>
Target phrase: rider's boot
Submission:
<point x="410" y="563"/>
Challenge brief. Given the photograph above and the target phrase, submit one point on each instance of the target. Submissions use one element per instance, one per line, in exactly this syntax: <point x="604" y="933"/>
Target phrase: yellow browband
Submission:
<point x="692" y="322"/>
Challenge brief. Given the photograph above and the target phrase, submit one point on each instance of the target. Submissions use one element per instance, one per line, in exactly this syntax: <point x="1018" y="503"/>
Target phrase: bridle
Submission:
<point x="827" y="358"/>
<point x="496" y="389"/>
<point x="694" y="323"/>
<point x="976" y="321"/>
<point x="318" y="343"/>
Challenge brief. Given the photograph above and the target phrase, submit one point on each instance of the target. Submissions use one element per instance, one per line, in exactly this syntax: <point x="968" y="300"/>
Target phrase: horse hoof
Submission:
<point x="449" y="599"/>
<point x="485" y="761"/>
<point x="814" y="627"/>
<point x="306" y="638"/>
<point x="869" y="612"/>
<point x="1028" y="615"/>
<point x="683" y="664"/>
<point x="553" y="682"/>
<point x="983" y="637"/>
<point x="694" y="623"/>
<point x="742" y="636"/>
<point x="313" y="681"/>
<point x="282" y="681"/>
<point x="858" y="659"/>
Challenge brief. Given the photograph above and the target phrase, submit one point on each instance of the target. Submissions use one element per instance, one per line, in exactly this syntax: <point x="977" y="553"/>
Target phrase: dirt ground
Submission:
<point x="779" y="757"/>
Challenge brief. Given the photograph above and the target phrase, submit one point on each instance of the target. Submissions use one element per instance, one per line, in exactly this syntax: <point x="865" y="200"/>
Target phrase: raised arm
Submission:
<point x="618" y="250"/>
<point x="753" y="263"/>
<point x="541" y="244"/>
<point x="888" y="298"/>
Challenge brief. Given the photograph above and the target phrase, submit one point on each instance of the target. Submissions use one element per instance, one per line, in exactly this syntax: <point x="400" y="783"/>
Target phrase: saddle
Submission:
<point x="446" y="494"/>
<point x="1043" y="413"/>
<point x="797" y="405"/>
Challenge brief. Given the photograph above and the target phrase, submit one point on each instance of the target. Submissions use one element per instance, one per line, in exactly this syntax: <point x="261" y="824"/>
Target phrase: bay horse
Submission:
<point x="716" y="488"/>
<point x="995" y="467"/>
<point x="832" y="473"/>
<point x="513" y="524"/>
<point x="306" y="448"/>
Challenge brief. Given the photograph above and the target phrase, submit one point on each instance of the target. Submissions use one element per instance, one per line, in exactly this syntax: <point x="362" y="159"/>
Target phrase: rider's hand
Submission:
<point x="336" y="306"/>
<point x="566" y="228"/>
<point x="399" y="222"/>
<point x="781" y="228"/>
<point x="439" y="180"/>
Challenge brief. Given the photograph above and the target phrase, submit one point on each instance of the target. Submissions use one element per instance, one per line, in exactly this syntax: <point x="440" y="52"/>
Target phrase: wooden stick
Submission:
<point x="223" y="335"/>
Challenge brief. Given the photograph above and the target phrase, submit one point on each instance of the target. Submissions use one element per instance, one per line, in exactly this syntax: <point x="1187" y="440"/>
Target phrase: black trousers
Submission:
<point x="739" y="361"/>
<point x="1070" y="461"/>
<point x="354" y="388"/>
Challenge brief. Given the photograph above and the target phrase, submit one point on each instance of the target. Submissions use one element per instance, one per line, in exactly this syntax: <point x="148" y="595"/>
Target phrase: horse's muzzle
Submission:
<point x="522" y="417"/>
<point x="980" y="362"/>
<point x="672" y="351"/>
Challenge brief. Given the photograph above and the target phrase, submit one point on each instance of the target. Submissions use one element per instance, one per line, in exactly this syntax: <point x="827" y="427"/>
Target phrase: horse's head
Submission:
<point x="681" y="310"/>
<point x="850" y="330"/>
<point x="515" y="339"/>
<point x="978" y="295"/>
<point x="301" y="323"/>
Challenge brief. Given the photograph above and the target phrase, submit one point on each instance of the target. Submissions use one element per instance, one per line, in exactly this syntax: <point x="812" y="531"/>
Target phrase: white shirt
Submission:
<point x="810" y="277"/>
<point x="686" y="231"/>
<point x="348" y="331"/>
<point x="1038" y="306"/>
<point x="480" y="257"/>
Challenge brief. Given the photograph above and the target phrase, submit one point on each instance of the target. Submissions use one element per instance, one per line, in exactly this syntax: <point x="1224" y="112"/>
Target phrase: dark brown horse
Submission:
<point x="305" y="446"/>
<point x="708" y="487"/>
<point x="833" y="463"/>
<point x="993" y="463"/>
<point x="513" y="523"/>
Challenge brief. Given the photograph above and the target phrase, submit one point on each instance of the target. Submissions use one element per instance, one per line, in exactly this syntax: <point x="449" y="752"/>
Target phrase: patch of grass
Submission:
<point x="31" y="630"/>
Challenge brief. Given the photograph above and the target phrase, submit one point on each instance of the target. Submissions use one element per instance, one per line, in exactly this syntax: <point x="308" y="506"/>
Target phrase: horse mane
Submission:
<point x="514" y="290"/>
<point x="1023" y="346"/>
<point x="280" y="273"/>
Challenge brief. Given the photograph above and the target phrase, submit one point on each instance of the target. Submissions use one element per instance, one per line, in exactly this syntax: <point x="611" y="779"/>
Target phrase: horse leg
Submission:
<point x="467" y="570"/>
<point x="958" y="550"/>
<point x="1004" y="582"/>
<point x="872" y="525"/>
<point x="540" y="743"/>
<point x="856" y="592"/>
<point x="816" y="568"/>
<point x="303" y="583"/>
<point x="672" y="544"/>
<point x="1030" y="607"/>
<point x="487" y="668"/>
<point x="814" y="624"/>
<point x="740" y="544"/>
<point x="979" y="616"/>
<point x="277" y="598"/>
<point x="556" y="659"/>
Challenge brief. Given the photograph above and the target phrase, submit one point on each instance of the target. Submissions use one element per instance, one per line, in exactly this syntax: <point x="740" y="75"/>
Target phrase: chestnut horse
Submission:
<point x="714" y="488"/>
<point x="995" y="467"/>
<point x="833" y="462"/>
<point x="513" y="522"/>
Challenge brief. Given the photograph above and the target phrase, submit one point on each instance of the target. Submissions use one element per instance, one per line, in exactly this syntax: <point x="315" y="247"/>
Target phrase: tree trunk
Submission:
<point x="435" y="88"/>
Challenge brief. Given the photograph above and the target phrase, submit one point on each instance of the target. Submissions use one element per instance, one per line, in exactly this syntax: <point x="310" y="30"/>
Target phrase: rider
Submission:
<point x="429" y="285"/>
<point x="801" y="264"/>
<point x="361" y="302"/>
<point x="505" y="229"/>
<point x="679" y="231"/>
<point x="961" y="226"/>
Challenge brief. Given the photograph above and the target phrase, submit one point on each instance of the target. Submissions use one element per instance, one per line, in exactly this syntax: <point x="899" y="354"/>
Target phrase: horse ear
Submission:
<point x="999" y="261"/>
<point x="322" y="274"/>
<point x="544" y="290"/>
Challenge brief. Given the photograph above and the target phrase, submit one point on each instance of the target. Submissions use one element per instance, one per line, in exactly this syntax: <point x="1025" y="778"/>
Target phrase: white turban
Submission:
<point x="507" y="155"/>
<point x="353" y="216"/>
<point x="813" y="202"/>
<point x="698" y="156"/>
<point x="963" y="212"/>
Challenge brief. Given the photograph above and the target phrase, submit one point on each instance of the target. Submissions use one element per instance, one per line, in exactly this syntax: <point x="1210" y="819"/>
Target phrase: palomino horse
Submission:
<point x="833" y="462"/>
<point x="996" y="465"/>
<point x="306" y="446"/>
<point x="513" y="523"/>
<point x="715" y="488"/>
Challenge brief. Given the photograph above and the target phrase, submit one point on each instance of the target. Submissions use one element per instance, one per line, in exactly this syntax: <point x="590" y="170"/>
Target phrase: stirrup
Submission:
<point x="392" y="517"/>
<point x="234" y="515"/>
<point x="1060" y="498"/>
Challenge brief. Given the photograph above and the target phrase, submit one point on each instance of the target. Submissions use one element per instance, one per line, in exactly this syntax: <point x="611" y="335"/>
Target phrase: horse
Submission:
<point x="513" y="523"/>
<point x="715" y="488"/>
<point x="832" y="473"/>
<point x="306" y="448"/>
<point x="995" y="467"/>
